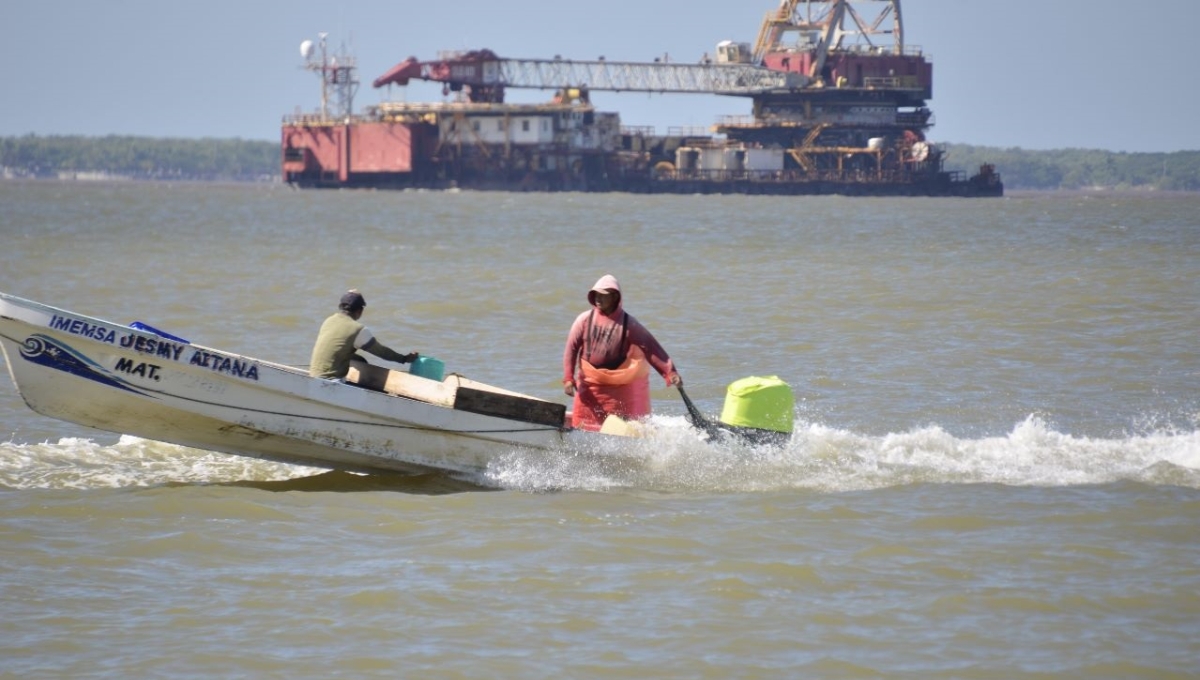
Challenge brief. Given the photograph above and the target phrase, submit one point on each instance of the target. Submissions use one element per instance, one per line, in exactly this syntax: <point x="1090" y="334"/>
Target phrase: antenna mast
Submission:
<point x="338" y="74"/>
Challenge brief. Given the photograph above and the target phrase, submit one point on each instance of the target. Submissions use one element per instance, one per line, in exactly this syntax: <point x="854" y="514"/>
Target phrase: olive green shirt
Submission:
<point x="340" y="336"/>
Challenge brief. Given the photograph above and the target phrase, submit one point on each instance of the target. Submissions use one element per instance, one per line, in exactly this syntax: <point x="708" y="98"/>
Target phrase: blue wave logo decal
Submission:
<point x="51" y="353"/>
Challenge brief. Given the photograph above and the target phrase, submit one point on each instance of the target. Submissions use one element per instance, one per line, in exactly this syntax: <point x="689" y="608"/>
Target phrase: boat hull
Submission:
<point x="122" y="379"/>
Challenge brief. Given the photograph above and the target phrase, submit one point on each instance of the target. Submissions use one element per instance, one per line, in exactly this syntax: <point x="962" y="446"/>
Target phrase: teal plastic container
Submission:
<point x="428" y="367"/>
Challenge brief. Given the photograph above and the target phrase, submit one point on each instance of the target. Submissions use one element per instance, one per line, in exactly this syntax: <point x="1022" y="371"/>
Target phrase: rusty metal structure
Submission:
<point x="838" y="105"/>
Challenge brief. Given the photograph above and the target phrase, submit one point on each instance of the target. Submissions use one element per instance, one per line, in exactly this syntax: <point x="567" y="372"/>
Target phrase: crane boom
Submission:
<point x="482" y="70"/>
<point x="618" y="76"/>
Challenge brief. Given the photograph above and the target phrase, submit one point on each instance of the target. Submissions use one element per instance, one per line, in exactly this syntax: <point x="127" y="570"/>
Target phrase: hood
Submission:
<point x="606" y="282"/>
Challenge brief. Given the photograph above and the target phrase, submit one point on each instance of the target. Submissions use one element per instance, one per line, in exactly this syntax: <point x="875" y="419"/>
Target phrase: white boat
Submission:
<point x="134" y="379"/>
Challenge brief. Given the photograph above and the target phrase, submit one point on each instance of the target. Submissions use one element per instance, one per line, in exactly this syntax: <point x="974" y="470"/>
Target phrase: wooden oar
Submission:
<point x="694" y="416"/>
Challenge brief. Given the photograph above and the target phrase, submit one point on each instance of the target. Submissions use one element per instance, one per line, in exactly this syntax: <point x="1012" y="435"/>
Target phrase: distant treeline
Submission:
<point x="258" y="161"/>
<point x="235" y="160"/>
<point x="1081" y="168"/>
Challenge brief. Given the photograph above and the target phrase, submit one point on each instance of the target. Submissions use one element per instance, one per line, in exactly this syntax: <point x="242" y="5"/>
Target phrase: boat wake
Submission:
<point x="75" y="463"/>
<point x="670" y="459"/>
<point x="825" y="459"/>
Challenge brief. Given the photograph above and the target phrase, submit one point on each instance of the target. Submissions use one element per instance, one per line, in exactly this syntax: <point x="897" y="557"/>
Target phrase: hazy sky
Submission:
<point x="1035" y="74"/>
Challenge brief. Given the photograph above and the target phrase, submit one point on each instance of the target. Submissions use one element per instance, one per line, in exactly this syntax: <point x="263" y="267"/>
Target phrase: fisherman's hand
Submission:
<point x="409" y="358"/>
<point x="674" y="380"/>
<point x="568" y="388"/>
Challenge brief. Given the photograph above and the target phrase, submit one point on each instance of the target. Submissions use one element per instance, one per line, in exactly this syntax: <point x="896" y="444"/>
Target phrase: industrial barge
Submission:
<point x="838" y="104"/>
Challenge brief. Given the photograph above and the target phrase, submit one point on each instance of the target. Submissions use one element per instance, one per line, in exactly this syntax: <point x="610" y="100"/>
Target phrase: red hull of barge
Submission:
<point x="393" y="155"/>
<point x="354" y="154"/>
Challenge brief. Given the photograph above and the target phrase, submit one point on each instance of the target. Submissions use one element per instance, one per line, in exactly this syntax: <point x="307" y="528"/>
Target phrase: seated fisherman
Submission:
<point x="341" y="335"/>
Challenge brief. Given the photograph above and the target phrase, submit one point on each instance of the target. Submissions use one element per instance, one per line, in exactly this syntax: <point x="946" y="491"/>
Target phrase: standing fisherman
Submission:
<point x="607" y="360"/>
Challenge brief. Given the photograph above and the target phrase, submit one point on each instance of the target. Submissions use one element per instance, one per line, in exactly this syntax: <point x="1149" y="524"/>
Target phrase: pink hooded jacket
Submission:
<point x="600" y="339"/>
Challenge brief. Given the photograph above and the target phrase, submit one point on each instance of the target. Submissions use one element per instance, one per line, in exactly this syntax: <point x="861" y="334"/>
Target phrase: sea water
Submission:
<point x="995" y="470"/>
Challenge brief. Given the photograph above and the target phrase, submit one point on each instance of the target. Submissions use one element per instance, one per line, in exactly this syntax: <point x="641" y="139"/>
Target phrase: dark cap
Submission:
<point x="353" y="300"/>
